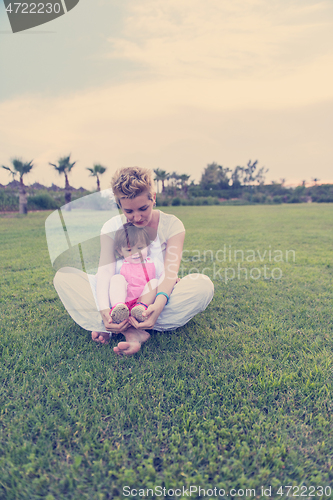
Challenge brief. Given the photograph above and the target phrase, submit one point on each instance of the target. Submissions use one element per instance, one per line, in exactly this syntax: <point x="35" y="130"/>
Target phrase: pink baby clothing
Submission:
<point x="137" y="276"/>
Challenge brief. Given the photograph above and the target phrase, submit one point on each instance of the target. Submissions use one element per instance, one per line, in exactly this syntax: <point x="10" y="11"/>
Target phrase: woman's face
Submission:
<point x="139" y="210"/>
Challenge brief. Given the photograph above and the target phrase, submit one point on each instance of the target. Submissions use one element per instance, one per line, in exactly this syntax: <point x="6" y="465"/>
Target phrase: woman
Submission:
<point x="177" y="301"/>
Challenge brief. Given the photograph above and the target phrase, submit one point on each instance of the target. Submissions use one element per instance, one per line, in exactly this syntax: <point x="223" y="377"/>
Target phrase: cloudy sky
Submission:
<point x="173" y="85"/>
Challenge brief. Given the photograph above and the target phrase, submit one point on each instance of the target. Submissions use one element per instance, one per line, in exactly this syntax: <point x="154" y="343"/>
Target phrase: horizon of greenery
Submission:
<point x="213" y="176"/>
<point x="39" y="199"/>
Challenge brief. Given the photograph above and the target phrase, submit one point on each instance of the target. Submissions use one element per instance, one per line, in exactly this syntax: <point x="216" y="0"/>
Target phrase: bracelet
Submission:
<point x="165" y="295"/>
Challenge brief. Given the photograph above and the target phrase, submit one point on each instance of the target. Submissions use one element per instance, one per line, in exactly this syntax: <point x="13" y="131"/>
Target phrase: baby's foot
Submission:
<point x="137" y="311"/>
<point x="119" y="313"/>
<point x="134" y="339"/>
<point x="100" y="337"/>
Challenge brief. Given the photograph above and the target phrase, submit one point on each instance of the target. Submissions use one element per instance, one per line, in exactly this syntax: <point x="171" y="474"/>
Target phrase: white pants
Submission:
<point x="77" y="291"/>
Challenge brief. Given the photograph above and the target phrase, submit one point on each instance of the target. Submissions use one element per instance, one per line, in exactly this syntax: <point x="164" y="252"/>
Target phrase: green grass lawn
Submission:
<point x="241" y="397"/>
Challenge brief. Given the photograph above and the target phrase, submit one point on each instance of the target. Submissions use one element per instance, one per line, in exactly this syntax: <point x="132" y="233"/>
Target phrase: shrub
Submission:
<point x="162" y="202"/>
<point x="259" y="198"/>
<point x="8" y="201"/>
<point x="247" y="196"/>
<point x="208" y="201"/>
<point x="325" y="198"/>
<point x="322" y="193"/>
<point x="277" y="199"/>
<point x="176" y="202"/>
<point x="294" y="199"/>
<point x="42" y="202"/>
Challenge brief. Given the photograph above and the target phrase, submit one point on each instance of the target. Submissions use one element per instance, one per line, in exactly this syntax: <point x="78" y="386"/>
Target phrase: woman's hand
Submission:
<point x="152" y="313"/>
<point x="114" y="327"/>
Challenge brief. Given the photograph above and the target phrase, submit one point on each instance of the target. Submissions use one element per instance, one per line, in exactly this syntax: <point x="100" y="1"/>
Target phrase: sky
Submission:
<point x="172" y="85"/>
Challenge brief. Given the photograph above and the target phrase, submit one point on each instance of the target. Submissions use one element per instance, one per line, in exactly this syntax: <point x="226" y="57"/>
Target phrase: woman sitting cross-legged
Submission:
<point x="175" y="301"/>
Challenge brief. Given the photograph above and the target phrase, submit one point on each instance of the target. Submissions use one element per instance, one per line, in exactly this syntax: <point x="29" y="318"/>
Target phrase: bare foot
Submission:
<point x="100" y="337"/>
<point x="134" y="339"/>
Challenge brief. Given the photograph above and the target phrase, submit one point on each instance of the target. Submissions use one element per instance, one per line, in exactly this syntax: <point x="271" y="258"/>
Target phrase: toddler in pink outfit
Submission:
<point x="134" y="288"/>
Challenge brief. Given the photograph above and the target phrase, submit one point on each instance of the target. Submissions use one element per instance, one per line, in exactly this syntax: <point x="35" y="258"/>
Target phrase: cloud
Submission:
<point x="223" y="39"/>
<point x="219" y="81"/>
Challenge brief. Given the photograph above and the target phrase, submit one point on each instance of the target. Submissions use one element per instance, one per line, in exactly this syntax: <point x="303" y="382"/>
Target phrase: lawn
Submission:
<point x="239" y="399"/>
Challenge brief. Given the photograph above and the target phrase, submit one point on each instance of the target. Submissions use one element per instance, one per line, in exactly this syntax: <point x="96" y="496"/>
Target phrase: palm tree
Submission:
<point x="160" y="175"/>
<point x="163" y="177"/>
<point x="64" y="167"/>
<point x="21" y="168"/>
<point x="183" y="179"/>
<point x="174" y="179"/>
<point x="156" y="178"/>
<point x="95" y="172"/>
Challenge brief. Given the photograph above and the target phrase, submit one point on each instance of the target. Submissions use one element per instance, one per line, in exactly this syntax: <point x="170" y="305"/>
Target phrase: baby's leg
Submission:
<point x="149" y="292"/>
<point x="118" y="292"/>
<point x="147" y="297"/>
<point x="118" y="289"/>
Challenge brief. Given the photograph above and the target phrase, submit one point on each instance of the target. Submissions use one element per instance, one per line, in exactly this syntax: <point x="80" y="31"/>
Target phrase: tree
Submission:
<point x="215" y="177"/>
<point x="95" y="172"/>
<point x="21" y="168"/>
<point x="174" y="177"/>
<point x="161" y="175"/>
<point x="249" y="171"/>
<point x="249" y="175"/>
<point x="260" y="176"/>
<point x="237" y="176"/>
<point x="157" y="178"/>
<point x="183" y="179"/>
<point x="64" y="167"/>
<point x="222" y="177"/>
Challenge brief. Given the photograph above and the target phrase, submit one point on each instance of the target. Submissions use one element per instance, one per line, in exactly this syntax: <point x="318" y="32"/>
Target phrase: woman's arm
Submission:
<point x="173" y="256"/>
<point x="172" y="261"/>
<point x="106" y="269"/>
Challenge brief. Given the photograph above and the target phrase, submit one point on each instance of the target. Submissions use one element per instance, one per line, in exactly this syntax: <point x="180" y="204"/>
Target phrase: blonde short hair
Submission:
<point x="130" y="182"/>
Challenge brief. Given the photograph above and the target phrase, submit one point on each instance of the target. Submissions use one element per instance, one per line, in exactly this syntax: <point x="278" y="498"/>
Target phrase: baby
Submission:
<point x="134" y="288"/>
